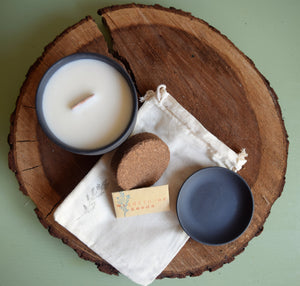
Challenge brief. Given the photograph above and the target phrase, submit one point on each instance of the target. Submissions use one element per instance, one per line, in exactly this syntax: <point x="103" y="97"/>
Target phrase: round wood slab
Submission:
<point x="204" y="71"/>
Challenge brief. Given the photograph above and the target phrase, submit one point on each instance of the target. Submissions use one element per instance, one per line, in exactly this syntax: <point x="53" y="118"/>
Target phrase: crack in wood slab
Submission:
<point x="26" y="141"/>
<point x="30" y="168"/>
<point x="27" y="106"/>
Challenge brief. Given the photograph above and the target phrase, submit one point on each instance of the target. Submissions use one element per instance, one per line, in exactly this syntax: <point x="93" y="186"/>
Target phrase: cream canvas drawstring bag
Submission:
<point x="141" y="247"/>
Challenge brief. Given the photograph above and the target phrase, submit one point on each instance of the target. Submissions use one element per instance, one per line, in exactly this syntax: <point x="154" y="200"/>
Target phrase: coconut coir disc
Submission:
<point x="140" y="161"/>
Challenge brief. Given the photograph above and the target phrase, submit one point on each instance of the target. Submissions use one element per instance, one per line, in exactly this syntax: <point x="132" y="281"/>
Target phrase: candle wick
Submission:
<point x="82" y="101"/>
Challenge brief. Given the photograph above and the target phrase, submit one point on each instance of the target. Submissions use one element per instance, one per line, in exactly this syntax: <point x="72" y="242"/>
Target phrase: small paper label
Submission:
<point x="141" y="201"/>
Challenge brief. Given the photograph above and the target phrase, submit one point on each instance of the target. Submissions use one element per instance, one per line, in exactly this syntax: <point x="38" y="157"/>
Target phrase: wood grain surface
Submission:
<point x="204" y="71"/>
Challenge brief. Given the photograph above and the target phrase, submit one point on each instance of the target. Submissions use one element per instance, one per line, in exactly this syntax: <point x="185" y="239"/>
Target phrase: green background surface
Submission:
<point x="266" y="31"/>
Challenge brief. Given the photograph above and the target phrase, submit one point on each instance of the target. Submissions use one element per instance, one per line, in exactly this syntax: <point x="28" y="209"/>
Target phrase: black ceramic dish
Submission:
<point x="215" y="206"/>
<point x="39" y="101"/>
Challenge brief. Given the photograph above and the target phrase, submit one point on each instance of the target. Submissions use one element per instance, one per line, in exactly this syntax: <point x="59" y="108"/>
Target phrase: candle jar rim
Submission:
<point x="39" y="101"/>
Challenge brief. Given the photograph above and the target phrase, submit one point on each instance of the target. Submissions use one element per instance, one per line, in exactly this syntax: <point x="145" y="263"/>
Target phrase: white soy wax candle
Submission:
<point x="87" y="104"/>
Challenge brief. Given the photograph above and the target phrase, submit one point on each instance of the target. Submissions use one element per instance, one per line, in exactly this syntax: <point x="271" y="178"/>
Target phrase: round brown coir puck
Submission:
<point x="140" y="161"/>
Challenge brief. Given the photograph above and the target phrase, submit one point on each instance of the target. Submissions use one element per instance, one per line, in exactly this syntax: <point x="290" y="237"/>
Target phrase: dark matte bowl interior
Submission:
<point x="39" y="101"/>
<point x="215" y="206"/>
